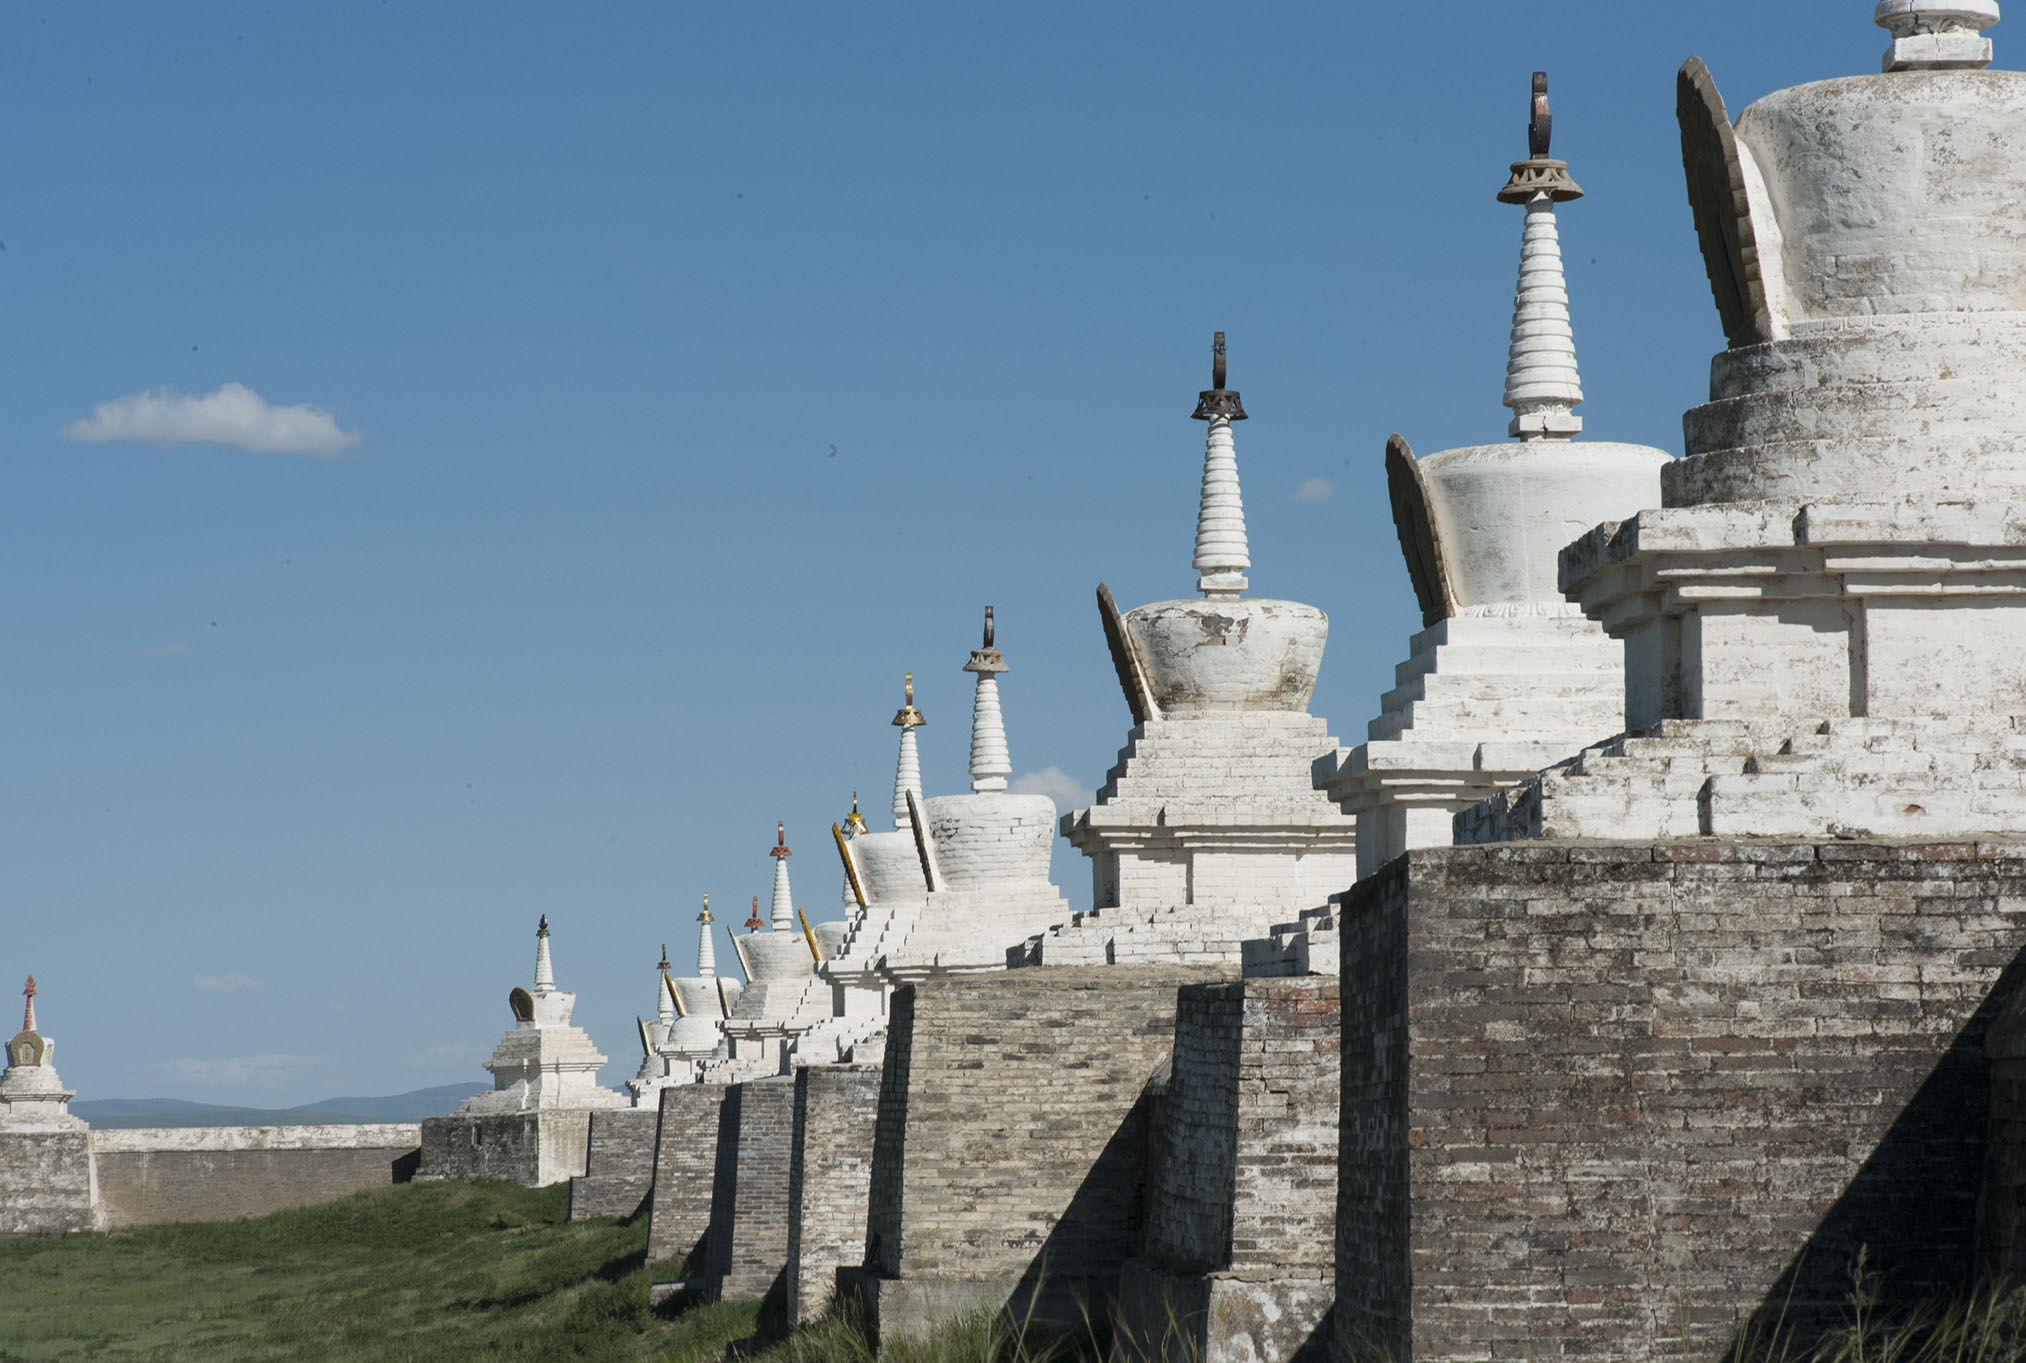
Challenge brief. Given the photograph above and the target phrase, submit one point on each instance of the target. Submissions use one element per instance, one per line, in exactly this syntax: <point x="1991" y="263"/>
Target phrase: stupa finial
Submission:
<point x="755" y="923"/>
<point x="706" y="951"/>
<point x="907" y="772"/>
<point x="1936" y="35"/>
<point x="1542" y="385"/>
<point x="28" y="1010"/>
<point x="545" y="974"/>
<point x="990" y="762"/>
<point x="784" y="899"/>
<point x="854" y="822"/>
<point x="664" y="1002"/>
<point x="1222" y="555"/>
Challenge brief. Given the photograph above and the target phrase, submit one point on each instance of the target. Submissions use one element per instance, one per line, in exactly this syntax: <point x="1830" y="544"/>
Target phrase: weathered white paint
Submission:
<point x="1541" y="383"/>
<point x="1222" y="555"/>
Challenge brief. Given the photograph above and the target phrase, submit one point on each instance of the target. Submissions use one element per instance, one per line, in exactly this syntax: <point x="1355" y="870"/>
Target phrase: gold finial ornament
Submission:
<point x="780" y="847"/>
<point x="909" y="717"/>
<point x="854" y="822"/>
<point x="705" y="916"/>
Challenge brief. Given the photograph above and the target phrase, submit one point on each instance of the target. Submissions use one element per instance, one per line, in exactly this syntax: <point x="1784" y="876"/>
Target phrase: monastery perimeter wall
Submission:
<point x="747" y="1254"/>
<point x="1051" y="1063"/>
<point x="618" y="1165"/>
<point x="220" y="1173"/>
<point x="1630" y="1086"/>
<point x="685" y="1158"/>
<point x="1238" y="1261"/>
<point x="829" y="1179"/>
<point x="46" y="1183"/>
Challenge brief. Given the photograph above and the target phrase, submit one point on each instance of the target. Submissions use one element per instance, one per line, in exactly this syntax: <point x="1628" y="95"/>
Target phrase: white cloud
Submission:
<point x="1057" y="784"/>
<point x="235" y="416"/>
<point x="238" y="1069"/>
<point x="224" y="984"/>
<point x="1315" y="490"/>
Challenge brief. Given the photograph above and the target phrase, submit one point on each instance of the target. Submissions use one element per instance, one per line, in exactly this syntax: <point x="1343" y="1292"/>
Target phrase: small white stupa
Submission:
<point x="1506" y="677"/>
<point x="700" y="1003"/>
<point x="1208" y="830"/>
<point x="980" y="860"/>
<point x="783" y="997"/>
<point x="543" y="1062"/>
<point x="32" y="1097"/>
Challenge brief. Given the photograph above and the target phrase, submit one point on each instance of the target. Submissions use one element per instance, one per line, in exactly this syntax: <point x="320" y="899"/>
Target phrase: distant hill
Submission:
<point x="113" y="1113"/>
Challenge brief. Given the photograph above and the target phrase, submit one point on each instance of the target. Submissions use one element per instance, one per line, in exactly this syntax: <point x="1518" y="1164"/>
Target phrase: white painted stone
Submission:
<point x="543" y="1062"/>
<point x="1929" y="36"/>
<point x="32" y="1096"/>
<point x="1222" y="554"/>
<point x="1541" y="383"/>
<point x="782" y="908"/>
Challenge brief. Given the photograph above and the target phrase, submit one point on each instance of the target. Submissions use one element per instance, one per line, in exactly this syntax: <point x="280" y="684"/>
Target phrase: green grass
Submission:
<point x="431" y="1272"/>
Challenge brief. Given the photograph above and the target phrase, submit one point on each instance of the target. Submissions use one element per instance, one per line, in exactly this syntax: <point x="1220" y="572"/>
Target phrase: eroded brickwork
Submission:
<point x="1594" y="1092"/>
<point x="829" y="1178"/>
<point x="685" y="1156"/>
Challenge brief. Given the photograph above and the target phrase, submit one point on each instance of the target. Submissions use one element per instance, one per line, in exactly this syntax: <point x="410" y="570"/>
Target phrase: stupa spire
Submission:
<point x="545" y="972"/>
<point x="1936" y="35"/>
<point x="784" y="899"/>
<point x="1222" y="555"/>
<point x="990" y="763"/>
<point x="28" y="1011"/>
<point x="854" y="824"/>
<point x="664" y="1006"/>
<point x="907" y="773"/>
<point x="1542" y="385"/>
<point x="706" y="950"/>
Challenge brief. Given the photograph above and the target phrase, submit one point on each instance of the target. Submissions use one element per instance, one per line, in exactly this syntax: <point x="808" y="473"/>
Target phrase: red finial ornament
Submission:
<point x="28" y="1012"/>
<point x="780" y="847"/>
<point x="754" y="924"/>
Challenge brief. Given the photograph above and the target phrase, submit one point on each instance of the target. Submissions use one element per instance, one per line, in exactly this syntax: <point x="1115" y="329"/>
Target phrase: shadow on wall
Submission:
<point x="1077" y="1269"/>
<point x="1911" y="1209"/>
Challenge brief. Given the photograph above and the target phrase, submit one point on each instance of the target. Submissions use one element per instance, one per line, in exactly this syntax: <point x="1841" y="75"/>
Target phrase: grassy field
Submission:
<point x="435" y="1272"/>
<point x="446" y="1272"/>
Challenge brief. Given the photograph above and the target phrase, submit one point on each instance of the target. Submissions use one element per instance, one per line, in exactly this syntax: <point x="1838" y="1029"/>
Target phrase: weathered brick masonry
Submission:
<point x="747" y="1252"/>
<point x="1012" y="1134"/>
<point x="148" y="1176"/>
<point x="619" y="1167"/>
<point x="1591" y="1091"/>
<point x="1238" y="1262"/>
<point x="829" y="1178"/>
<point x="534" y="1148"/>
<point x="685" y="1156"/>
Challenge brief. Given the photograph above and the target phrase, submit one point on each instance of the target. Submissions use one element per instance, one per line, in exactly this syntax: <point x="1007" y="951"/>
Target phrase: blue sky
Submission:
<point x="709" y="367"/>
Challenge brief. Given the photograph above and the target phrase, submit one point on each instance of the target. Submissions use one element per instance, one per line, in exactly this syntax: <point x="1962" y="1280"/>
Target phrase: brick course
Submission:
<point x="618" y="1172"/>
<point x="1594" y="1091"/>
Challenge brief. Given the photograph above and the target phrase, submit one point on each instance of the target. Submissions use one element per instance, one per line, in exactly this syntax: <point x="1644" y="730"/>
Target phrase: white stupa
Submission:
<point x="1506" y="677"/>
<point x="32" y="1096"/>
<point x="1208" y="829"/>
<point x="1824" y="620"/>
<point x="784" y="997"/>
<point x="543" y="1062"/>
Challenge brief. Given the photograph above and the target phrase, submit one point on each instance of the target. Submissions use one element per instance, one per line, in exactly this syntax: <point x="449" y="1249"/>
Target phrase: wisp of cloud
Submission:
<point x="235" y="417"/>
<point x="1315" y="490"/>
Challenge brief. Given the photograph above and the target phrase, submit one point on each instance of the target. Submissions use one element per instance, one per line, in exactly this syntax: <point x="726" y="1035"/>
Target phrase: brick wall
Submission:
<point x="148" y="1176"/>
<point x="748" y="1246"/>
<point x="1012" y="1133"/>
<point x="685" y="1156"/>
<point x="829" y="1177"/>
<point x="1239" y="1256"/>
<point x="1594" y="1092"/>
<point x="45" y="1182"/>
<point x="619" y="1168"/>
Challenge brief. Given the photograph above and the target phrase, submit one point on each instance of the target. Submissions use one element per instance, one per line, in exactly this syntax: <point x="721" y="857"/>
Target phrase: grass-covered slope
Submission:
<point x="434" y="1272"/>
